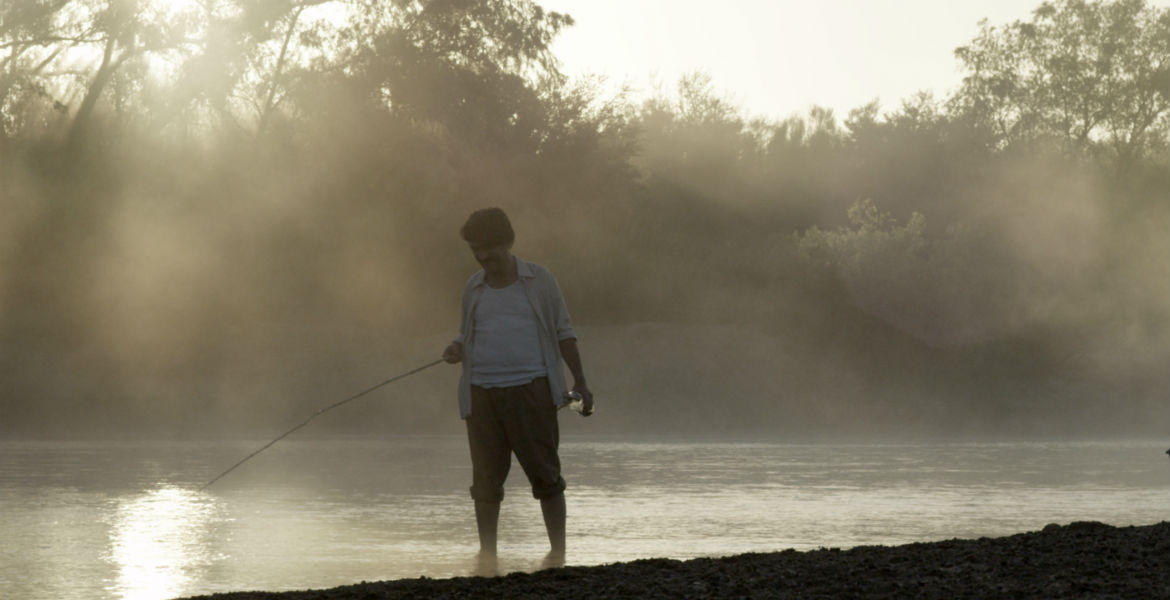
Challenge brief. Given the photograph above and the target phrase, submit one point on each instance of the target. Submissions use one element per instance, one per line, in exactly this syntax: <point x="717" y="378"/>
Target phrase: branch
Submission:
<point x="45" y="63"/>
<point x="45" y="41"/>
<point x="269" y="102"/>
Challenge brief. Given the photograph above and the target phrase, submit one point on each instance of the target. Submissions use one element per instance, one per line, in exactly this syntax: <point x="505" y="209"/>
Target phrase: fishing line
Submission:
<point x="319" y="413"/>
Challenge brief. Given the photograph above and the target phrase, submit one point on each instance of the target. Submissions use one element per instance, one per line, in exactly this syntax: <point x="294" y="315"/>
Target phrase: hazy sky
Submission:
<point x="777" y="57"/>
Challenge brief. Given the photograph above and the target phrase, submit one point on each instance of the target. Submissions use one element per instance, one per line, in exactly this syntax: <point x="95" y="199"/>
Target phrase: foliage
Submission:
<point x="1089" y="76"/>
<point x="207" y="196"/>
<point x="939" y="289"/>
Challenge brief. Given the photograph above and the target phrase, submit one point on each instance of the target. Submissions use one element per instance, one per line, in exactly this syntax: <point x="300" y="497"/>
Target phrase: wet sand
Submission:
<point x="1081" y="560"/>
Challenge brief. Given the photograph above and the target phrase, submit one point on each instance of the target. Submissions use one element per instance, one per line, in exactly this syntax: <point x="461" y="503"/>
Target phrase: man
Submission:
<point x="513" y="336"/>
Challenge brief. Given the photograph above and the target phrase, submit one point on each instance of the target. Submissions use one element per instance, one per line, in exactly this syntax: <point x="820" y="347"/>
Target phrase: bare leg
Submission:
<point x="487" y="519"/>
<point x="553" y="509"/>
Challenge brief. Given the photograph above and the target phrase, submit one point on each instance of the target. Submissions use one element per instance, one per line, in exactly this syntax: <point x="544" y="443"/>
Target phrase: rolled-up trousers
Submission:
<point x="520" y="420"/>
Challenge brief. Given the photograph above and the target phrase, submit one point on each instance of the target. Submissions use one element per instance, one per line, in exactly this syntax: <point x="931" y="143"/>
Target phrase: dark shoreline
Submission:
<point x="1080" y="560"/>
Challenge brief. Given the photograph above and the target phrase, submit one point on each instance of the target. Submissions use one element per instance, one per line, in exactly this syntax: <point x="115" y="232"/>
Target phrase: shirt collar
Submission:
<point x="523" y="269"/>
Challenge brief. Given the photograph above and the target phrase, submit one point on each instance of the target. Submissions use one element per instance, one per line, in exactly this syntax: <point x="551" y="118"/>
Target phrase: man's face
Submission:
<point x="492" y="257"/>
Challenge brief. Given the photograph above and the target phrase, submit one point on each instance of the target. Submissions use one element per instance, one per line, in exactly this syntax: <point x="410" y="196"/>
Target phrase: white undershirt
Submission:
<point x="507" y="339"/>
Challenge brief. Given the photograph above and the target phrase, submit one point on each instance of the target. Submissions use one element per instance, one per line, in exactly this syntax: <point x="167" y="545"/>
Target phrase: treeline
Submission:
<point x="245" y="202"/>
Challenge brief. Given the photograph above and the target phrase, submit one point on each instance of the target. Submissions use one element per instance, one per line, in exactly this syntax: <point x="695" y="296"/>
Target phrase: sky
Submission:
<point x="774" y="58"/>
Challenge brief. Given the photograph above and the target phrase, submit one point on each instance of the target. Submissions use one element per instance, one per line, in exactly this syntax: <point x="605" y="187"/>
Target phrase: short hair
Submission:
<point x="488" y="227"/>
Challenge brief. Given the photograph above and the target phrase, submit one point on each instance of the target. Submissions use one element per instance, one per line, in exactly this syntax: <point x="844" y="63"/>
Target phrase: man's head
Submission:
<point x="489" y="234"/>
<point x="488" y="227"/>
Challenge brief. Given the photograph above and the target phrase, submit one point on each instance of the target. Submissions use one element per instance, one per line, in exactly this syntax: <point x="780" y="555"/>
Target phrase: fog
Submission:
<point x="225" y="221"/>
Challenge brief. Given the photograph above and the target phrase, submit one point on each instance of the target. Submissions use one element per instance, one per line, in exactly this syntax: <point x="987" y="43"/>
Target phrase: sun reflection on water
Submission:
<point x="159" y="542"/>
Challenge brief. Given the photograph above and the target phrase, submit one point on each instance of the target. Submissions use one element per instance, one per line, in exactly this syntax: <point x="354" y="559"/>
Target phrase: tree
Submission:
<point x="124" y="31"/>
<point x="30" y="40"/>
<point x="1087" y="75"/>
<point x="469" y="67"/>
<point x="246" y="63"/>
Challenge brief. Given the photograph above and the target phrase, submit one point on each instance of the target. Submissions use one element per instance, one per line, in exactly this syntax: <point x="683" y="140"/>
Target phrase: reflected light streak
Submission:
<point x="159" y="543"/>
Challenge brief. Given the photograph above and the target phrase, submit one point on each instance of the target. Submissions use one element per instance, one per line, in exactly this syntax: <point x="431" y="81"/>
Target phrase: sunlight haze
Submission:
<point x="873" y="291"/>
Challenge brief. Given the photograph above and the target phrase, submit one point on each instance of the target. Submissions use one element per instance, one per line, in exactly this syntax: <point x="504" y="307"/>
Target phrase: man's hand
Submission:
<point x="454" y="353"/>
<point x="586" y="398"/>
<point x="572" y="358"/>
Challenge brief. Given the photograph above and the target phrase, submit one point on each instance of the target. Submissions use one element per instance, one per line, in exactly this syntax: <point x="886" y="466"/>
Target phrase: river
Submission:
<point x="127" y="519"/>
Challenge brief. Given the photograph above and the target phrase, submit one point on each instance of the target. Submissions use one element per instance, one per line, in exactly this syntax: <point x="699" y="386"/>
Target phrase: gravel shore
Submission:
<point x="1081" y="560"/>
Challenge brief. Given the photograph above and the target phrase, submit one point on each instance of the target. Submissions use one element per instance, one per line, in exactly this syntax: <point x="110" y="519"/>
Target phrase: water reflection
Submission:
<point x="160" y="543"/>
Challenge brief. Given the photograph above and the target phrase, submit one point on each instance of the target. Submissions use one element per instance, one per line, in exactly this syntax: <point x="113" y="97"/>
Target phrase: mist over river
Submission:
<point x="126" y="519"/>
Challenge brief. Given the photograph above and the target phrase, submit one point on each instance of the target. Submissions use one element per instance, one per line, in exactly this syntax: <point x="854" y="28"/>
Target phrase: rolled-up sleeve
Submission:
<point x="467" y="339"/>
<point x="465" y="308"/>
<point x="560" y="312"/>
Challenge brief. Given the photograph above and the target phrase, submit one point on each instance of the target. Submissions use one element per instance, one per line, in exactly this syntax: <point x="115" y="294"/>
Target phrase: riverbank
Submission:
<point x="1081" y="560"/>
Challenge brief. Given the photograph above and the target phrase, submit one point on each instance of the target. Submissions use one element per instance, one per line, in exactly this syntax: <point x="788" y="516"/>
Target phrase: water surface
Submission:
<point x="127" y="519"/>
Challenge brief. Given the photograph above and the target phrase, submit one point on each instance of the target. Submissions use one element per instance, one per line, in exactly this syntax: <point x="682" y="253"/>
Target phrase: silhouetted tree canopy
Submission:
<point x="202" y="196"/>
<point x="1085" y="76"/>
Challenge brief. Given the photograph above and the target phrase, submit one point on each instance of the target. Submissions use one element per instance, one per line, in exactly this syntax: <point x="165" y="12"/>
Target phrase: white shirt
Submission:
<point x="544" y="296"/>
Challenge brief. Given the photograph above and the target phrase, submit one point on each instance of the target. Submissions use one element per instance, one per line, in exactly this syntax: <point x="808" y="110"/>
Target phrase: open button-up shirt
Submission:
<point x="549" y="305"/>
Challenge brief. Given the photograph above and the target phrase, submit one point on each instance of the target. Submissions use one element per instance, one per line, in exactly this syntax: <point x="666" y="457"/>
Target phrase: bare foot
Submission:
<point x="486" y="565"/>
<point x="553" y="560"/>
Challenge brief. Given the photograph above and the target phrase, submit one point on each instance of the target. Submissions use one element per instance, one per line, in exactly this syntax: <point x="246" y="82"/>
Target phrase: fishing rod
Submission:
<point x="319" y="413"/>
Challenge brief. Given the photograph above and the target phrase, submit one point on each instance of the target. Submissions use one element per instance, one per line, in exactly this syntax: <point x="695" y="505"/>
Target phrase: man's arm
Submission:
<point x="572" y="358"/>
